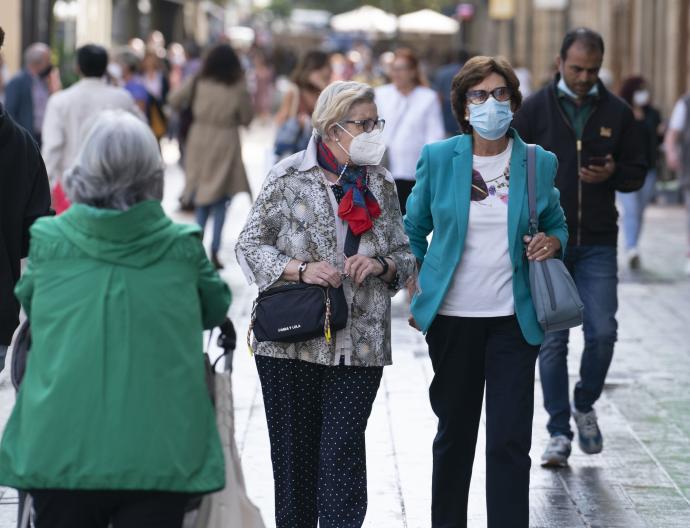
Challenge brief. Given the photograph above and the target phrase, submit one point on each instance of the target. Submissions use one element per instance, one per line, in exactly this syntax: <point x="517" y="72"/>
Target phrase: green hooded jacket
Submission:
<point x="114" y="395"/>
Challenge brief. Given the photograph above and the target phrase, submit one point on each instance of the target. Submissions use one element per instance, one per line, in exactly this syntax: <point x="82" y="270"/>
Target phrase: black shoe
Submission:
<point x="216" y="263"/>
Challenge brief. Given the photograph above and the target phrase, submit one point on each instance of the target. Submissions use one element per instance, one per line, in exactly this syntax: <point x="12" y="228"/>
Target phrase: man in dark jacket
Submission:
<point x="24" y="196"/>
<point x="26" y="95"/>
<point x="600" y="150"/>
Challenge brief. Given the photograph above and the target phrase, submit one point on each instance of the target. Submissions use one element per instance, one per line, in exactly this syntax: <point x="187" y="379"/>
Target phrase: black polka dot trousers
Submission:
<point x="317" y="416"/>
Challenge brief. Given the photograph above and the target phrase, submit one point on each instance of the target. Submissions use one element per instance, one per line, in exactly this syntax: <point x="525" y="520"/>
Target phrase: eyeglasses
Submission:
<point x="368" y="125"/>
<point x="502" y="93"/>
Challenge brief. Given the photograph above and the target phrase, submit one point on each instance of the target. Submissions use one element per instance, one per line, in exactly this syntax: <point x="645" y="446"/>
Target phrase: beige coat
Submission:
<point x="213" y="154"/>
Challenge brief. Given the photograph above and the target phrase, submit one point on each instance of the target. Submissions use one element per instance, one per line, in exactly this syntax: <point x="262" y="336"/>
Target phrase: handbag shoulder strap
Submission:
<point x="532" y="188"/>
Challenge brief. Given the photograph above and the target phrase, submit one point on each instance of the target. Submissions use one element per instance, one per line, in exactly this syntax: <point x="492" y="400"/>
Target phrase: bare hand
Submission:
<point x="541" y="247"/>
<point x="359" y="267"/>
<point x="321" y="273"/>
<point x="411" y="321"/>
<point x="596" y="173"/>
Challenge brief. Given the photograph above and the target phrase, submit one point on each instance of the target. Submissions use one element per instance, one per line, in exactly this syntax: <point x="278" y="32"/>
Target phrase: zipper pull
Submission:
<point x="579" y="145"/>
<point x="327" y="321"/>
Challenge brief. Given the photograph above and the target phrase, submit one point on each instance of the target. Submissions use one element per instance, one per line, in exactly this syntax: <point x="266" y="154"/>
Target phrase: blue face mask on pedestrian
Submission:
<point x="491" y="118"/>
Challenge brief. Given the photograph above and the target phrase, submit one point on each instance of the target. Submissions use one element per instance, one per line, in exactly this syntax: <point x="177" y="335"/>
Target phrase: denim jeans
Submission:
<point x="3" y="355"/>
<point x="595" y="271"/>
<point x="634" y="204"/>
<point x="217" y="210"/>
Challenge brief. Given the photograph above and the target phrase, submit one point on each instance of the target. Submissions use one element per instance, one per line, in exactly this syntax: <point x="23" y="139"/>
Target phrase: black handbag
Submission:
<point x="297" y="312"/>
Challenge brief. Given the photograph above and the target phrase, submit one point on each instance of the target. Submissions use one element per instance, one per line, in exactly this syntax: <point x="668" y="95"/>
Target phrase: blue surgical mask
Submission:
<point x="491" y="118"/>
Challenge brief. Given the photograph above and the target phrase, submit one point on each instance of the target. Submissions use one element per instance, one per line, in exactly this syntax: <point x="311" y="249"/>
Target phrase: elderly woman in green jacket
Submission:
<point x="113" y="422"/>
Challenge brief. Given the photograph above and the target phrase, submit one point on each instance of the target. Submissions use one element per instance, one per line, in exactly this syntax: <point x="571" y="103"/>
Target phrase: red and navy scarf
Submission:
<point x="358" y="206"/>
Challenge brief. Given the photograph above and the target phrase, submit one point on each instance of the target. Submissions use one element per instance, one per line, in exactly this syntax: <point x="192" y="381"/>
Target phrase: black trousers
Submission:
<point x="62" y="508"/>
<point x="404" y="188"/>
<point x="466" y="354"/>
<point x="316" y="417"/>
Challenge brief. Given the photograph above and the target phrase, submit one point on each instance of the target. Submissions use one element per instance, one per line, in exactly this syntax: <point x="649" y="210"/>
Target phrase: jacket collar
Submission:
<point x="602" y="91"/>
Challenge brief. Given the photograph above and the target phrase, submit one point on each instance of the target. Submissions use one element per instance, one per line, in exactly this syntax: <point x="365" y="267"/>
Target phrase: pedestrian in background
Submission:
<point x="26" y="95"/>
<point x="413" y="113"/>
<point x="130" y="65"/>
<point x="600" y="150"/>
<point x="636" y="92"/>
<point x="214" y="169"/>
<point x="677" y="149"/>
<point x="117" y="296"/>
<point x="319" y="393"/>
<point x="71" y="112"/>
<point x="25" y="196"/>
<point x="312" y="74"/>
<point x="473" y="296"/>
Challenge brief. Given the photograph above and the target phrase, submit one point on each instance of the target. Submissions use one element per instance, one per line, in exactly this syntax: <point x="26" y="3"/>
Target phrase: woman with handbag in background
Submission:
<point x="220" y="105"/>
<point x="473" y="296"/>
<point x="328" y="216"/>
<point x="113" y="422"/>
<point x="311" y="75"/>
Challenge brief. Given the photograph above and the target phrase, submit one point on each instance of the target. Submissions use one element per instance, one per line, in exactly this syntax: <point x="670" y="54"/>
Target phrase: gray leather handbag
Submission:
<point x="554" y="294"/>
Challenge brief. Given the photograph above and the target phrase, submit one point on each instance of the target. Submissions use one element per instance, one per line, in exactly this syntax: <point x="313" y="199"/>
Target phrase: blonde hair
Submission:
<point x="336" y="101"/>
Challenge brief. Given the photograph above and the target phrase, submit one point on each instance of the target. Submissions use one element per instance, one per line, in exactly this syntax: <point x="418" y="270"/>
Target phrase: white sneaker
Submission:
<point x="557" y="452"/>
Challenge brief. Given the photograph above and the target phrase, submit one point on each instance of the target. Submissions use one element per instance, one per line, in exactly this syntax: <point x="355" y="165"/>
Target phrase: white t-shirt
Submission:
<point x="412" y="121"/>
<point x="483" y="281"/>
<point x="678" y="116"/>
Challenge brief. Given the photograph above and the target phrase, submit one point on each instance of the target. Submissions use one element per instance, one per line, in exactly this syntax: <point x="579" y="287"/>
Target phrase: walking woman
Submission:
<point x="636" y="92"/>
<point x="113" y="424"/>
<point x="318" y="393"/>
<point x="214" y="169"/>
<point x="473" y="298"/>
<point x="413" y="113"/>
<point x="312" y="74"/>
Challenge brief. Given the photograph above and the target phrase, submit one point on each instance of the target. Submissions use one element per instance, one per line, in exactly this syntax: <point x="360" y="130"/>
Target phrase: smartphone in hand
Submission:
<point x="597" y="161"/>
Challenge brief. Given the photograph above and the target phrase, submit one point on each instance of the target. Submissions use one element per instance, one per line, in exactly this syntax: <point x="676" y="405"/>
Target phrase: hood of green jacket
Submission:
<point x="136" y="237"/>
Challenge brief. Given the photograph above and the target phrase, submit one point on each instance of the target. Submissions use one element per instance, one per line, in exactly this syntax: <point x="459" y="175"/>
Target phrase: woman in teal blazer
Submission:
<point x="473" y="299"/>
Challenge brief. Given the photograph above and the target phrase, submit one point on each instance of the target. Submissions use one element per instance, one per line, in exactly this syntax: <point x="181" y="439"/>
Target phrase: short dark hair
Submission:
<point x="222" y="64"/>
<point x="590" y="39"/>
<point x="2" y="37"/>
<point x="92" y="60"/>
<point x="472" y="73"/>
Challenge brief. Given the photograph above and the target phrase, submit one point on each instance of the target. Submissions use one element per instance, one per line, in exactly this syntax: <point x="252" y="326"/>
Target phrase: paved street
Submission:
<point x="642" y="479"/>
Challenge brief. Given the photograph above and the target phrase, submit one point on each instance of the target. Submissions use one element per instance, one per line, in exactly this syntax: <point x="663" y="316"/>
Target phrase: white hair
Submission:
<point x="336" y="101"/>
<point x="118" y="166"/>
<point x="36" y="53"/>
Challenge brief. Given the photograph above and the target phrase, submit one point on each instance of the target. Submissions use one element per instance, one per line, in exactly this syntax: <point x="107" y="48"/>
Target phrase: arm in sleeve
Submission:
<point x="53" y="138"/>
<point x="181" y="97"/>
<point x="12" y="98"/>
<point x="399" y="246"/>
<point x="214" y="293"/>
<point x="24" y="290"/>
<point x="418" y="220"/>
<point x="631" y="165"/>
<point x="552" y="219"/>
<point x="38" y="199"/>
<point x="261" y="261"/>
<point x="246" y="110"/>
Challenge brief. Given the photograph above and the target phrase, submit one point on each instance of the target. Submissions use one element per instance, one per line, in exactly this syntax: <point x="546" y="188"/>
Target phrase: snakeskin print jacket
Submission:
<point x="294" y="217"/>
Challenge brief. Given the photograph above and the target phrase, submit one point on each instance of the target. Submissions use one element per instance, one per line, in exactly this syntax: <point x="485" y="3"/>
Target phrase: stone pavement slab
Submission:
<point x="642" y="478"/>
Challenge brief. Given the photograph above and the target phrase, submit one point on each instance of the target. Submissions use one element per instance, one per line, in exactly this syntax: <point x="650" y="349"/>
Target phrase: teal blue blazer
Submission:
<point x="440" y="203"/>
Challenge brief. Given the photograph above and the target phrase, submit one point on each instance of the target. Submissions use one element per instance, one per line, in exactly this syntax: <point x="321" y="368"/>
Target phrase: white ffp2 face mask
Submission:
<point x="365" y="149"/>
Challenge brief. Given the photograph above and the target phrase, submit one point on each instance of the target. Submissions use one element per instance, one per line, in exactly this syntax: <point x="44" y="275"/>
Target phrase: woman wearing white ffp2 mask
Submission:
<point x="473" y="299"/>
<point x="635" y="92"/>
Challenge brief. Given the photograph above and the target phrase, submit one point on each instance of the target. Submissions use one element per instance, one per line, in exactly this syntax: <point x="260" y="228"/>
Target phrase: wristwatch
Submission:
<point x="301" y="269"/>
<point x="383" y="263"/>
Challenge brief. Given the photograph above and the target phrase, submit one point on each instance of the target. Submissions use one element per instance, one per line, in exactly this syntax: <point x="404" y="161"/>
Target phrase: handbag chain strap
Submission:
<point x="532" y="189"/>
